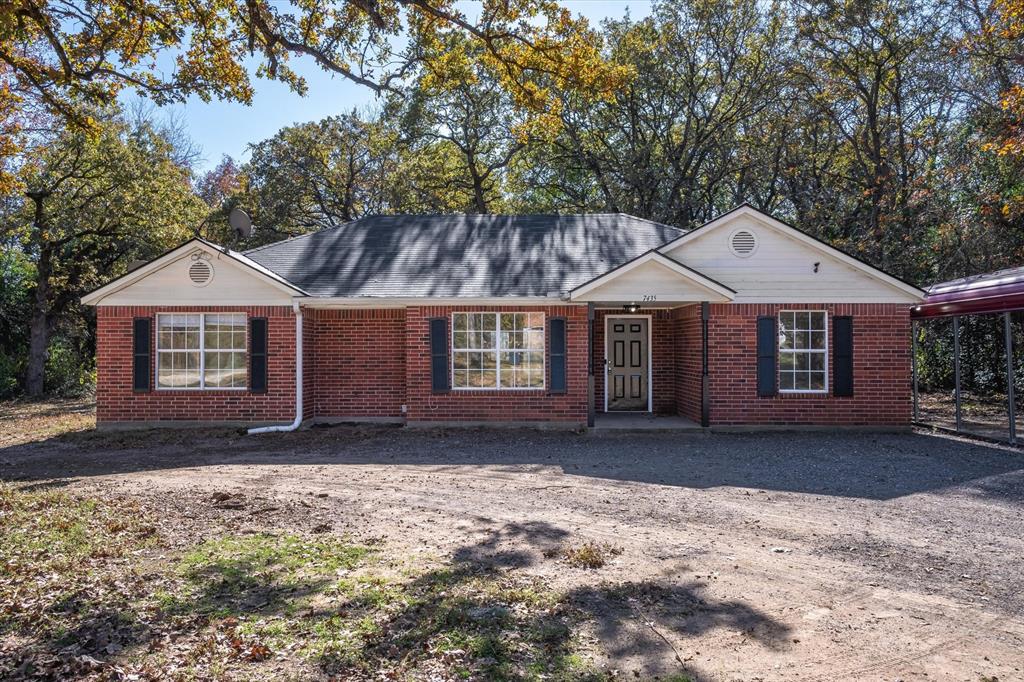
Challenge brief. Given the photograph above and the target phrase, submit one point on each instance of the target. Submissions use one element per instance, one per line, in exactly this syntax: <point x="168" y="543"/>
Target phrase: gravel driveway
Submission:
<point x="781" y="556"/>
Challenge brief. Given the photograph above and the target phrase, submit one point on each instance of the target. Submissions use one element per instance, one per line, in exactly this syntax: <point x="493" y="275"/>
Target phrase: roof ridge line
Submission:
<point x="300" y="236"/>
<point x="652" y="222"/>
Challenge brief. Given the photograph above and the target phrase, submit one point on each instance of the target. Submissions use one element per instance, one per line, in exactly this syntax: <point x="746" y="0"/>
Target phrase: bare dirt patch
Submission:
<point x="771" y="557"/>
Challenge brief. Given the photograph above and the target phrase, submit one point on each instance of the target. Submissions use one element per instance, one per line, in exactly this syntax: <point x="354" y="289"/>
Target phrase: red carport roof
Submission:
<point x="991" y="292"/>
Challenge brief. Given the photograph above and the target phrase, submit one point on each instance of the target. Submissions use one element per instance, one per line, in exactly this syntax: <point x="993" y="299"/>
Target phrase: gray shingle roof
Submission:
<point x="461" y="256"/>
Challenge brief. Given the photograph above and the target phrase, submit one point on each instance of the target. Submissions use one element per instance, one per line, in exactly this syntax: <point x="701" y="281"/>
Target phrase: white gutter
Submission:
<point x="298" y="380"/>
<point x="555" y="298"/>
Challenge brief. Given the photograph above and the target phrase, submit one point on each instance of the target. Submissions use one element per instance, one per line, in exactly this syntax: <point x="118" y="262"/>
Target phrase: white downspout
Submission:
<point x="298" y="379"/>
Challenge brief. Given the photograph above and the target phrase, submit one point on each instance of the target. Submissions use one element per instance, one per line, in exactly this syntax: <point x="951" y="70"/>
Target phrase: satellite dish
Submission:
<point x="240" y="222"/>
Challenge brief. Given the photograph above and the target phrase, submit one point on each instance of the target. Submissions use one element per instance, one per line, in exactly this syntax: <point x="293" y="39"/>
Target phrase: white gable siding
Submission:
<point x="650" y="279"/>
<point x="232" y="284"/>
<point x="781" y="270"/>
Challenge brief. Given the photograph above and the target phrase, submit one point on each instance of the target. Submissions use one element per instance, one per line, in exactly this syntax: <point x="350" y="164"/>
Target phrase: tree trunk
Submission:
<point x="39" y="337"/>
<point x="39" y="327"/>
<point x="478" y="179"/>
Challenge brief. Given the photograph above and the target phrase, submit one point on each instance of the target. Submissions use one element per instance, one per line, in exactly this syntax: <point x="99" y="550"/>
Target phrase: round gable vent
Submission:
<point x="743" y="243"/>
<point x="200" y="272"/>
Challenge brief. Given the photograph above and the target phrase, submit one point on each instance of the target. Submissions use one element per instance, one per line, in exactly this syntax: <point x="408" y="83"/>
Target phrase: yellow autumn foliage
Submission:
<point x="75" y="54"/>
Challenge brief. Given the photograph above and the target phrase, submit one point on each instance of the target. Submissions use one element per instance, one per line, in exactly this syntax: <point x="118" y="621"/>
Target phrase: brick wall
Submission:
<point x="368" y="363"/>
<point x="117" y="402"/>
<point x="688" y="361"/>
<point x="881" y="371"/>
<point x="359" y="360"/>
<point x="507" y="405"/>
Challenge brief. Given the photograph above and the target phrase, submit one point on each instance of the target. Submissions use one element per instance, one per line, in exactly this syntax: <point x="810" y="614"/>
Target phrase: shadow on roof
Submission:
<point x="449" y="256"/>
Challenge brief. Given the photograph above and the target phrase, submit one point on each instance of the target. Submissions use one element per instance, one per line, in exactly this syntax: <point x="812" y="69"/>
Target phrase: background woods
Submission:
<point x="892" y="129"/>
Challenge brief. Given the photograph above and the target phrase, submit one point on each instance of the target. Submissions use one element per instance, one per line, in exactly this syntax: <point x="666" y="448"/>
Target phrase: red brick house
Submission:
<point x="515" y="319"/>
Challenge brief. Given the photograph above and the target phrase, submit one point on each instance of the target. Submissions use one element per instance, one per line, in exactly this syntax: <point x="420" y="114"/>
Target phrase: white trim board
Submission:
<point x="338" y="302"/>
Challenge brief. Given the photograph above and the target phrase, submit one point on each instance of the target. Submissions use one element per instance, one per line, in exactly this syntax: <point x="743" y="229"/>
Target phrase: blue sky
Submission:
<point x="221" y="128"/>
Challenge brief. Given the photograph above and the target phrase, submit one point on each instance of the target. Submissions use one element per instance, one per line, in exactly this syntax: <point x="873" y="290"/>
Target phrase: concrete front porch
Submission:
<point x="642" y="421"/>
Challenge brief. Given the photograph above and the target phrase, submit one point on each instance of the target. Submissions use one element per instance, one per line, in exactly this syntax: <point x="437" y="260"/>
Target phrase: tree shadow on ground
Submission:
<point x="46" y="407"/>
<point x="51" y="484"/>
<point x="864" y="465"/>
<point x="534" y="536"/>
<point x="639" y="620"/>
<point x="478" y="614"/>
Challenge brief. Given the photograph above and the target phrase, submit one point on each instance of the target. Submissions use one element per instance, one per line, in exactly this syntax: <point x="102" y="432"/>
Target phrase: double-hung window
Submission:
<point x="200" y="351"/>
<point x="803" y="351"/>
<point x="497" y="350"/>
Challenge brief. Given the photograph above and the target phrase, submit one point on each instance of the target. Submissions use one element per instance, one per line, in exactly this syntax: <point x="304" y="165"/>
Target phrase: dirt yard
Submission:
<point x="783" y="556"/>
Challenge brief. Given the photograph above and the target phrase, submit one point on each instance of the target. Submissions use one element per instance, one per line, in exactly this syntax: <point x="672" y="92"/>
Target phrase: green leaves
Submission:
<point x="70" y="56"/>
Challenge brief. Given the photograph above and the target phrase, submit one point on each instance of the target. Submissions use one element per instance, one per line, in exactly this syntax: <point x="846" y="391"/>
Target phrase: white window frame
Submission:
<point x="498" y="350"/>
<point x="202" y="353"/>
<point x="820" y="351"/>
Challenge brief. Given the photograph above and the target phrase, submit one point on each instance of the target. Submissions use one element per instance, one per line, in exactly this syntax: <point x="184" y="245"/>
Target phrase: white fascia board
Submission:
<point x="405" y="301"/>
<point x="263" y="270"/>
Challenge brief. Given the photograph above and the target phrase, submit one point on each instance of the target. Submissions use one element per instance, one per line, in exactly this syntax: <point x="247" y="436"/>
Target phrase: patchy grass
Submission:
<point x="589" y="555"/>
<point x="338" y="607"/>
<point x="24" y="421"/>
<point x="57" y="553"/>
<point x="89" y="590"/>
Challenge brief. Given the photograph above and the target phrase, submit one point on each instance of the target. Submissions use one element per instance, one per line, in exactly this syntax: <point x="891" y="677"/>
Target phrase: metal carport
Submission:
<point x="1000" y="293"/>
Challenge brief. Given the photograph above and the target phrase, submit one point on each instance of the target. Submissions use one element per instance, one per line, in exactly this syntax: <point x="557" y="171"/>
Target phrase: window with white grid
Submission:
<point x="497" y="350"/>
<point x="803" y="351"/>
<point x="201" y="351"/>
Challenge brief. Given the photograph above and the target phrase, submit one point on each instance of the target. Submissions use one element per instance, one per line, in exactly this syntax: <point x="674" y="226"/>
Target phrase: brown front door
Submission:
<point x="627" y="385"/>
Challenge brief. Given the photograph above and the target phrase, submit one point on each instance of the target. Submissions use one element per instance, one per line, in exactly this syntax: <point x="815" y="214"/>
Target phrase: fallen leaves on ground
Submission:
<point x="106" y="590"/>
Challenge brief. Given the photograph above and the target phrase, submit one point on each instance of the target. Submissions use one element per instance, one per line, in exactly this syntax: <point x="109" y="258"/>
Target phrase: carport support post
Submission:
<point x="1011" y="408"/>
<point x="913" y="364"/>
<point x="956" y="371"/>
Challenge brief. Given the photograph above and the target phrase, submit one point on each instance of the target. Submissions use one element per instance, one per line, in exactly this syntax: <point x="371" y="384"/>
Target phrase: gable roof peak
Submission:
<point x="174" y="254"/>
<point x="796" y="233"/>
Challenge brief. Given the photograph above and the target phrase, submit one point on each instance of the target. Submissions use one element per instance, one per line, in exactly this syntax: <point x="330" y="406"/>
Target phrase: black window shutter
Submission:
<point x="842" y="356"/>
<point x="142" y="353"/>
<point x="767" y="341"/>
<point x="439" y="355"/>
<point x="556" y="348"/>
<point x="258" y="354"/>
